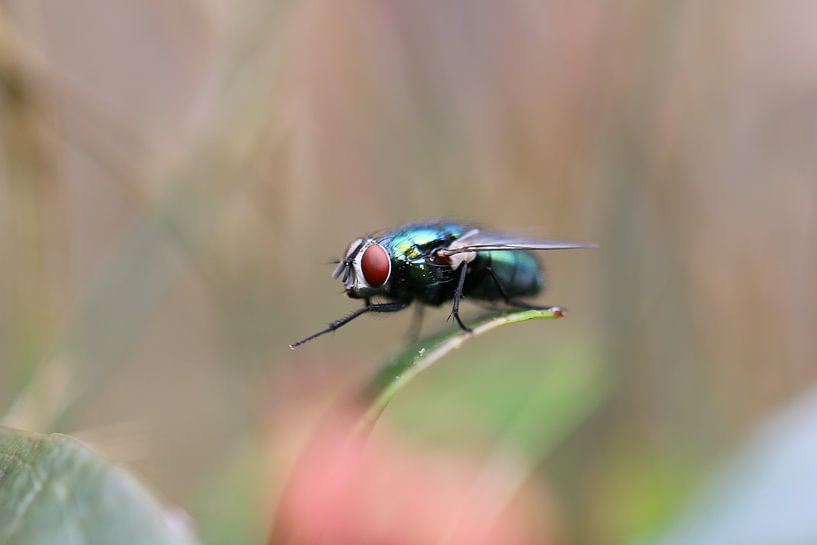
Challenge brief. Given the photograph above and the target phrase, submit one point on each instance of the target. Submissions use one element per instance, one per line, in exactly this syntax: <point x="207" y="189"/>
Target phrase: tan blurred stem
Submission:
<point x="28" y="219"/>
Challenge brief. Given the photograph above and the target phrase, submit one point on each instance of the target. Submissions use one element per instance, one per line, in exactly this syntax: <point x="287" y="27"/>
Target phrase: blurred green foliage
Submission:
<point x="55" y="490"/>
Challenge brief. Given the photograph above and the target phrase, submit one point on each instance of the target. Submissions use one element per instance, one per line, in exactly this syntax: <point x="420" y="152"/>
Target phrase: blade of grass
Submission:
<point x="421" y="355"/>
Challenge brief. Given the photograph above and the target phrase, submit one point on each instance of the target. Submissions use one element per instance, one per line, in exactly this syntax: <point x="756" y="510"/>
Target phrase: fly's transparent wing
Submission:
<point x="477" y="240"/>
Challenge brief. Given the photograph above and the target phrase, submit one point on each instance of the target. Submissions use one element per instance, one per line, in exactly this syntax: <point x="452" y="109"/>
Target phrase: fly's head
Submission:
<point x="365" y="269"/>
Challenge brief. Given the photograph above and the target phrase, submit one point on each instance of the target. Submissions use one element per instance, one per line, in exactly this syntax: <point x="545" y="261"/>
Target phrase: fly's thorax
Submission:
<point x="365" y="269"/>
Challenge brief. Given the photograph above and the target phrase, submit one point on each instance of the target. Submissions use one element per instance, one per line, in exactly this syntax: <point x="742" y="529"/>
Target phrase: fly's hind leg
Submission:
<point x="516" y="303"/>
<point x="416" y="325"/>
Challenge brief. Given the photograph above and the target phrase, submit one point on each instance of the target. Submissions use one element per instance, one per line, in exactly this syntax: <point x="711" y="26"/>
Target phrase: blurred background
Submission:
<point x="175" y="176"/>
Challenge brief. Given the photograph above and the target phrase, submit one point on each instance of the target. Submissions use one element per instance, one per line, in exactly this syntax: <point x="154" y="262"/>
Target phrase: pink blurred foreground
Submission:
<point x="350" y="490"/>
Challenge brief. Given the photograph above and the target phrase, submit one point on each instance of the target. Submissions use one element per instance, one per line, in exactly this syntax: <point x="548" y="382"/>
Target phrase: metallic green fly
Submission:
<point x="434" y="262"/>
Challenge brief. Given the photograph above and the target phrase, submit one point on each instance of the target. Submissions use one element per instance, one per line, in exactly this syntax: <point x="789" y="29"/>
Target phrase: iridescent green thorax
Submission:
<point x="414" y="276"/>
<point x="413" y="241"/>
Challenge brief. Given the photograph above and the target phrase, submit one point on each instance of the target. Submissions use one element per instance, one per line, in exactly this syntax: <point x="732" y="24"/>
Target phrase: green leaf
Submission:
<point x="54" y="490"/>
<point x="418" y="357"/>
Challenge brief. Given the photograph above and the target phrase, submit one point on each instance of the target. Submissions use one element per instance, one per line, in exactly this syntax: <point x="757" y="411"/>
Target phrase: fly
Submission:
<point x="434" y="262"/>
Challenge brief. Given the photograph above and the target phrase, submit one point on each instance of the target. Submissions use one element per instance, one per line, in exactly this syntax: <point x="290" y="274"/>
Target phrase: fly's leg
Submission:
<point x="368" y="307"/>
<point x="455" y="311"/>
<point x="416" y="325"/>
<point x="516" y="302"/>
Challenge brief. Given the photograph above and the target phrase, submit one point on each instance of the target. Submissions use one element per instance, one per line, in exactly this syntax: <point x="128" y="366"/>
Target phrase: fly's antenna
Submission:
<point x="343" y="267"/>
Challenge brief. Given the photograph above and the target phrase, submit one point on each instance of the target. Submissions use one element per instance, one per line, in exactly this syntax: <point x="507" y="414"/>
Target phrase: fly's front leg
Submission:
<point x="368" y="307"/>
<point x="455" y="311"/>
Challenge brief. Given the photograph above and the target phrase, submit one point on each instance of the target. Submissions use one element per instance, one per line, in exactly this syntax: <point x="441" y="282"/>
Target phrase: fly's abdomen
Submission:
<point x="519" y="272"/>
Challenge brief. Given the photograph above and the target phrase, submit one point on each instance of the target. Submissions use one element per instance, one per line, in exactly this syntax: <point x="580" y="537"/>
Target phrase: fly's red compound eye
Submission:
<point x="376" y="265"/>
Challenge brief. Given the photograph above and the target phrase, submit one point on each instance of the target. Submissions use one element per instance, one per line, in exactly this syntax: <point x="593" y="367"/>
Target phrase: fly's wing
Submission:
<point x="477" y="240"/>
